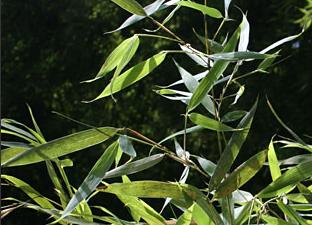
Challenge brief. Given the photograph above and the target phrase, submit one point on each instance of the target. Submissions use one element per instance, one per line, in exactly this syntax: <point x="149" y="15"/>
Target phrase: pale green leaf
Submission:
<point x="200" y="217"/>
<point x="212" y="12"/>
<point x="214" y="73"/>
<point x="290" y="177"/>
<point x="291" y="213"/>
<point x="273" y="162"/>
<point x="232" y="148"/>
<point x="62" y="146"/>
<point x="274" y="221"/>
<point x="237" y="56"/>
<point x="131" y="6"/>
<point x="209" y="123"/>
<point x="93" y="179"/>
<point x="241" y="175"/>
<point x="128" y="47"/>
<point x="133" y="75"/>
<point x="186" y="217"/>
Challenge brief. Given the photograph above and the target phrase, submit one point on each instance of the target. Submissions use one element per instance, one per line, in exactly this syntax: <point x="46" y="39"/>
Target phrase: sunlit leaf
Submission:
<point x="115" y="58"/>
<point x="290" y="177"/>
<point x="62" y="146"/>
<point x="133" y="75"/>
<point x="273" y="162"/>
<point x="126" y="146"/>
<point x="209" y="123"/>
<point x="131" y="6"/>
<point x="186" y="217"/>
<point x="244" y="36"/>
<point x="232" y="148"/>
<point x="94" y="177"/>
<point x="215" y="72"/>
<point x="291" y="213"/>
<point x="274" y="221"/>
<point x="236" y="56"/>
<point x="241" y="175"/>
<point x="134" y="167"/>
<point x="212" y="12"/>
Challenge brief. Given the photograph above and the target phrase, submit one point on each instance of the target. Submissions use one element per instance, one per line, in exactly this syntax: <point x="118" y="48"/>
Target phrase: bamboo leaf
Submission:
<point x="61" y="146"/>
<point x="200" y="217"/>
<point x="241" y="175"/>
<point x="233" y="116"/>
<point x="291" y="213"/>
<point x="133" y="75"/>
<point x="131" y="6"/>
<point x="236" y="56"/>
<point x="9" y="153"/>
<point x="232" y="148"/>
<point x="274" y="221"/>
<point x="134" y="167"/>
<point x="31" y="192"/>
<point x="273" y="162"/>
<point x="209" y="123"/>
<point x="149" y="9"/>
<point x="191" y="84"/>
<point x="183" y="194"/>
<point x="208" y="166"/>
<point x="244" y="37"/>
<point x="181" y="132"/>
<point x="94" y="177"/>
<point x="290" y="177"/>
<point x="212" y="12"/>
<point x="186" y="217"/>
<point x="115" y="58"/>
<point x="126" y="146"/>
<point x="215" y="72"/>
<point x="241" y="214"/>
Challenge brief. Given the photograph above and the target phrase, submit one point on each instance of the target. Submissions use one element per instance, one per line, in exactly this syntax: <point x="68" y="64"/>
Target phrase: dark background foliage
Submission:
<point x="48" y="47"/>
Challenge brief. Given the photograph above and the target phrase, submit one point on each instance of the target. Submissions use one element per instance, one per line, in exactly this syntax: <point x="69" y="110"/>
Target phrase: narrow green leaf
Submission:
<point x="209" y="123"/>
<point x="212" y="12"/>
<point x="241" y="175"/>
<point x="31" y="192"/>
<point x="274" y="221"/>
<point x="9" y="153"/>
<point x="115" y="58"/>
<point x="296" y="159"/>
<point x="131" y="6"/>
<point x="273" y="162"/>
<point x="133" y="75"/>
<point x="191" y="84"/>
<point x="126" y="146"/>
<point x="266" y="63"/>
<point x="227" y="208"/>
<point x="241" y="214"/>
<point x="233" y="116"/>
<point x="237" y="56"/>
<point x="291" y="213"/>
<point x="134" y="167"/>
<point x="62" y="146"/>
<point x="34" y="121"/>
<point x="6" y="123"/>
<point x="183" y="194"/>
<point x="208" y="166"/>
<point x="305" y="192"/>
<point x="181" y="132"/>
<point x="232" y="148"/>
<point x="200" y="217"/>
<point x="290" y="177"/>
<point x="94" y="177"/>
<point x="215" y="72"/>
<point x="186" y="217"/>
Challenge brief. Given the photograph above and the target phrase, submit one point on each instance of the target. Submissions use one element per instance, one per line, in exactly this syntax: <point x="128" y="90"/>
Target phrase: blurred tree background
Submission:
<point x="49" y="47"/>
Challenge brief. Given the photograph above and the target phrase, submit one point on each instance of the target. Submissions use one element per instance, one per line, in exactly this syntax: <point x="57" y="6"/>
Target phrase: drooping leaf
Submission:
<point x="215" y="72"/>
<point x="191" y="84"/>
<point x="291" y="213"/>
<point x="296" y="159"/>
<point x="274" y="221"/>
<point x="6" y="123"/>
<point x="126" y="146"/>
<point x="93" y="179"/>
<point x="31" y="192"/>
<point x="290" y="177"/>
<point x="186" y="217"/>
<point x="62" y="146"/>
<point x="183" y="194"/>
<point x="134" y="167"/>
<point x="226" y="8"/>
<point x="233" y="116"/>
<point x="187" y="131"/>
<point x="133" y="75"/>
<point x="237" y="56"/>
<point x="115" y="58"/>
<point x="239" y="94"/>
<point x="131" y="6"/>
<point x="149" y="9"/>
<point x="244" y="36"/>
<point x="212" y="12"/>
<point x="293" y="144"/>
<point x="266" y="63"/>
<point x="273" y="162"/>
<point x="232" y="148"/>
<point x="209" y="123"/>
<point x="208" y="166"/>
<point x="241" y="175"/>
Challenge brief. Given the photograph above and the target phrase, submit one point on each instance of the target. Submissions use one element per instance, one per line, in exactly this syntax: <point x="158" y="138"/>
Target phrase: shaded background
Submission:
<point x="48" y="47"/>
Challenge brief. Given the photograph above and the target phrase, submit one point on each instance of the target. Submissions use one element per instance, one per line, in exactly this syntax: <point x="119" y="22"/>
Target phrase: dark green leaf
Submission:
<point x="209" y="123"/>
<point x="131" y="6"/>
<point x="212" y="12"/>
<point x="233" y="116"/>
